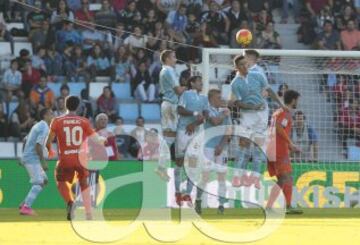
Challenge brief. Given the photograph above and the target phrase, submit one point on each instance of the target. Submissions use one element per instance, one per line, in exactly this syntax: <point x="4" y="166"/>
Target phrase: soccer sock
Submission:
<point x="275" y="191"/>
<point x="257" y="158"/>
<point x="85" y="193"/>
<point x="243" y="154"/>
<point x="200" y="190"/>
<point x="191" y="172"/>
<point x="164" y="156"/>
<point x="222" y="192"/>
<point x="64" y="190"/>
<point x="33" y="193"/>
<point x="177" y="177"/>
<point x="287" y="189"/>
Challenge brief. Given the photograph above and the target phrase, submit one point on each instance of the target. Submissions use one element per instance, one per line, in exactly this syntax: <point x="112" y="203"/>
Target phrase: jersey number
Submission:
<point x="73" y="135"/>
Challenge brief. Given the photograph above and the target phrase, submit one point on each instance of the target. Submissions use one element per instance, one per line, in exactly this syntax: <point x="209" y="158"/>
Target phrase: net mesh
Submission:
<point x="330" y="92"/>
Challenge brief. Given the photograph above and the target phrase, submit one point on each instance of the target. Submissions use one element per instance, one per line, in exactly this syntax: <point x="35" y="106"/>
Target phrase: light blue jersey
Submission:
<point x="215" y="141"/>
<point x="38" y="135"/>
<point x="191" y="100"/>
<point x="249" y="89"/>
<point x="168" y="81"/>
<point x="259" y="69"/>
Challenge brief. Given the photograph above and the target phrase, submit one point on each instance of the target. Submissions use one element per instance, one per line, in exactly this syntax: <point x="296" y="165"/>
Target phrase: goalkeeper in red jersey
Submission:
<point x="278" y="151"/>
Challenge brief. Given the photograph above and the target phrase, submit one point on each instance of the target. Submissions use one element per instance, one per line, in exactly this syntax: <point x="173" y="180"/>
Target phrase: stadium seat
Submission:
<point x="95" y="6"/>
<point x="55" y="87"/>
<point x="103" y="79"/>
<point x="96" y="89"/>
<point x="5" y="48"/>
<point x="7" y="150"/>
<point x="150" y="112"/>
<point x="17" y="25"/>
<point x="12" y="108"/>
<point x="354" y="153"/>
<point x="19" y="46"/>
<point x="75" y="88"/>
<point x="129" y="111"/>
<point x="121" y="90"/>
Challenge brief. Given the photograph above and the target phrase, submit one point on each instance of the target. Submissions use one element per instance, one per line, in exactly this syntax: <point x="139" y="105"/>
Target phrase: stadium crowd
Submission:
<point x="123" y="40"/>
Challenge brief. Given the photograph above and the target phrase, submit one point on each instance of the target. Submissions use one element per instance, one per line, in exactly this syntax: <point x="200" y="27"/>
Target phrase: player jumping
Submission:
<point x="34" y="161"/>
<point x="215" y="149"/>
<point x="170" y="90"/>
<point x="279" y="164"/>
<point x="191" y="110"/>
<point x="72" y="132"/>
<point x="248" y="88"/>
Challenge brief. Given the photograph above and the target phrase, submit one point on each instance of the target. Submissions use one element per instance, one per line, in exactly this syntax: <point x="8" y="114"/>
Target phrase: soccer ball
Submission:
<point x="244" y="37"/>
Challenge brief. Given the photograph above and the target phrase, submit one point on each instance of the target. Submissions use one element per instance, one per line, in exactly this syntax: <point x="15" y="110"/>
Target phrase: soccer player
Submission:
<point x="72" y="132"/>
<point x="252" y="56"/>
<point x="34" y="161"/>
<point x="215" y="150"/>
<point x="191" y="109"/>
<point x="170" y="90"/>
<point x="248" y="88"/>
<point x="279" y="164"/>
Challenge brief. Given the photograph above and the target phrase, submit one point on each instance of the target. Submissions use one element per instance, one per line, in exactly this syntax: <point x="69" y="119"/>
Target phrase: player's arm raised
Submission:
<point x="276" y="98"/>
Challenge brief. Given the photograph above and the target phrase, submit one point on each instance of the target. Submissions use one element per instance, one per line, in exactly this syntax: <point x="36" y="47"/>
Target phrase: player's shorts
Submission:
<point x="279" y="167"/>
<point x="253" y="124"/>
<point x="67" y="173"/>
<point x="182" y="145"/>
<point x="36" y="173"/>
<point x="215" y="163"/>
<point x="169" y="117"/>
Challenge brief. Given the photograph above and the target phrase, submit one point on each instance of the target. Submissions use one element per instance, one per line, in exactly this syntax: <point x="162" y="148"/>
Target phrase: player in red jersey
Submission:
<point x="279" y="164"/>
<point x="72" y="132"/>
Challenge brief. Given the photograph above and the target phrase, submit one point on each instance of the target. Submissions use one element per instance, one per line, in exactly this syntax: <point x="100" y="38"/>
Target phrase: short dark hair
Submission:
<point x="64" y="86"/>
<point x="24" y="52"/>
<point x="43" y="112"/>
<point x="327" y="22"/>
<point x="238" y="58"/>
<point x="72" y="103"/>
<point x="290" y="95"/>
<point x="13" y="61"/>
<point x="252" y="52"/>
<point x="192" y="79"/>
<point x="299" y="113"/>
<point x="165" y="54"/>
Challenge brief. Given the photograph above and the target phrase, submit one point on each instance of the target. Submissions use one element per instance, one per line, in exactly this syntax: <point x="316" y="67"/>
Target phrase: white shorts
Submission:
<point x="169" y="116"/>
<point x="182" y="144"/>
<point x="253" y="124"/>
<point x="216" y="163"/>
<point x="36" y="173"/>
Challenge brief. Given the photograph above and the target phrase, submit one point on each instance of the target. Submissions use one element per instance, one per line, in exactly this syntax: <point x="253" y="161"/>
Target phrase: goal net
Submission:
<point x="326" y="124"/>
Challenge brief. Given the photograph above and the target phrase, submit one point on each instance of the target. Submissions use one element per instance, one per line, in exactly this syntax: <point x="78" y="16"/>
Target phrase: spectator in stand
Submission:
<point x="75" y="64"/>
<point x="36" y="17"/>
<point x="165" y="6"/>
<point x="255" y="6"/>
<point x="150" y="149"/>
<point x="305" y="137"/>
<point x="351" y="36"/>
<point x="21" y="120"/>
<point x="325" y="15"/>
<point x="119" y="127"/>
<point x="90" y="37"/>
<point x="60" y="107"/>
<point x="106" y="103"/>
<point x="43" y="36"/>
<point x="61" y="13"/>
<point x="136" y="40"/>
<point x="85" y="108"/>
<point x="106" y="16"/>
<point x="12" y="79"/>
<point x="6" y="36"/>
<point x="306" y="32"/>
<point x="67" y="35"/>
<point x="150" y="20"/>
<point x="120" y="35"/>
<point x="30" y="77"/>
<point x="349" y="124"/>
<point x="143" y="88"/>
<point x="64" y="91"/>
<point x="348" y="14"/>
<point x="218" y="23"/>
<point x="269" y="38"/>
<point x="119" y="5"/>
<point x="23" y="59"/>
<point x="177" y="22"/>
<point x="122" y="66"/>
<point x="98" y="63"/>
<point x="3" y="124"/>
<point x="101" y="122"/>
<point x="137" y="137"/>
<point x="329" y="39"/>
<point x="38" y="59"/>
<point x="122" y="137"/>
<point x="205" y="37"/>
<point x="54" y="63"/>
<point x="127" y="15"/>
<point x="315" y="6"/>
<point x="42" y="95"/>
<point x="260" y="21"/>
<point x="74" y="5"/>
<point x="84" y="14"/>
<point x="235" y="15"/>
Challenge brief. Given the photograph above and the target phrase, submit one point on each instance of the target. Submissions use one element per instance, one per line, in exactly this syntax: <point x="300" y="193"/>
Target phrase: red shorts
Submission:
<point x="280" y="167"/>
<point x="64" y="172"/>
